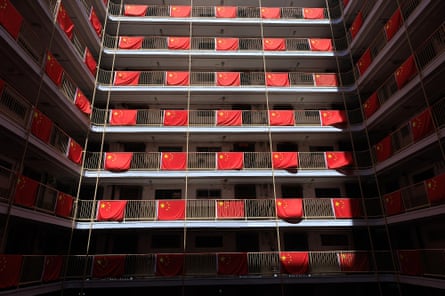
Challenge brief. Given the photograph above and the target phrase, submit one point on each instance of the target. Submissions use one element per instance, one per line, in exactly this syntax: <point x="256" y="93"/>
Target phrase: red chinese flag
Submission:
<point x="65" y="22"/>
<point x="64" y="204"/>
<point x="123" y="117"/>
<point x="95" y="22"/>
<point x="26" y="192"/>
<point x="435" y="189"/>
<point x="135" y="10"/>
<point x="175" y="117"/>
<point x="364" y="61"/>
<point x="90" y="61"/>
<point x="356" y="25"/>
<point x="52" y="269"/>
<point x="320" y="44"/>
<point x="405" y="72"/>
<point x="421" y="125"/>
<point x="74" y="151"/>
<point x="173" y="160"/>
<point x="393" y="24"/>
<point x="289" y="208"/>
<point x="227" y="43"/>
<point x="410" y="262"/>
<point x="274" y="44"/>
<point x="82" y="102"/>
<point x="281" y="117"/>
<point x="127" y="77"/>
<point x="232" y="263"/>
<point x="371" y="105"/>
<point x="347" y="207"/>
<point x="229" y="117"/>
<point x="2" y="85"/>
<point x="332" y="117"/>
<point x="345" y="3"/>
<point x="277" y="79"/>
<point x="284" y="160"/>
<point x="338" y="159"/>
<point x="111" y="210"/>
<point x="228" y="79"/>
<point x="41" y="126"/>
<point x="313" y="13"/>
<point x="226" y="11"/>
<point x="383" y="149"/>
<point x="229" y="209"/>
<point x="393" y="203"/>
<point x="353" y="262"/>
<point x="270" y="13"/>
<point x="171" y="209"/>
<point x="180" y="11"/>
<point x="10" y="18"/>
<point x="178" y="78"/>
<point x="294" y="262"/>
<point x="178" y="42"/>
<point x="127" y="42"/>
<point x="10" y="267"/>
<point x="230" y="160"/>
<point x="325" y="80"/>
<point x="118" y="161"/>
<point x="108" y="266"/>
<point x="53" y="69"/>
<point x="169" y="264"/>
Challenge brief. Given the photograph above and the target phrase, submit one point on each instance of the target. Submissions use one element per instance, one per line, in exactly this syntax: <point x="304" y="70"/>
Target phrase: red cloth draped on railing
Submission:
<point x="232" y="263"/>
<point x="313" y="13"/>
<point x="118" y="161"/>
<point x="123" y="117"/>
<point x="226" y="11"/>
<point x="175" y="117"/>
<point x="74" y="152"/>
<point x="82" y="102"/>
<point x="364" y="62"/>
<point x="405" y="72"/>
<point x="178" y="78"/>
<point x="383" y="149"/>
<point x="64" y="205"/>
<point x="169" y="264"/>
<point x="90" y="62"/>
<point x="410" y="262"/>
<point x="289" y="208"/>
<point x="95" y="22"/>
<point x="228" y="79"/>
<point x="171" y="209"/>
<point x="173" y="160"/>
<point x="338" y="159"/>
<point x="41" y="126"/>
<point x="11" y="266"/>
<point x="52" y="268"/>
<point x="108" y="266"/>
<point x="130" y="42"/>
<point x="320" y="44"/>
<point x="294" y="262"/>
<point x="53" y="69"/>
<point x="65" y="22"/>
<point x="229" y="117"/>
<point x="135" y="10"/>
<point x="393" y="24"/>
<point x="271" y="12"/>
<point x="26" y="191"/>
<point x="393" y="203"/>
<point x="274" y="44"/>
<point x="356" y="25"/>
<point x="180" y="11"/>
<point x="371" y="105"/>
<point x="332" y="117"/>
<point x="353" y="262"/>
<point x="227" y="43"/>
<point x="122" y="78"/>
<point x="347" y="207"/>
<point x="230" y="160"/>
<point x="111" y="210"/>
<point x="229" y="209"/>
<point x="277" y="79"/>
<point x="325" y="80"/>
<point x="435" y="189"/>
<point x="281" y="117"/>
<point x="284" y="160"/>
<point x="178" y="42"/>
<point x="10" y="18"/>
<point x="421" y="125"/>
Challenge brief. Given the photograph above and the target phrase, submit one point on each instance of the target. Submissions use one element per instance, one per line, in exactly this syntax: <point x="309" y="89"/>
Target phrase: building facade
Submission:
<point x="222" y="147"/>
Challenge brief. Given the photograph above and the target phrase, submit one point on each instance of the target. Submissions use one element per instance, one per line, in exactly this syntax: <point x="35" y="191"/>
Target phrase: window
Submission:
<point x="165" y="241"/>
<point x="170" y="149"/>
<point x="208" y="193"/>
<point x="288" y="191"/>
<point x="208" y="241"/>
<point x="134" y="147"/>
<point x="245" y="191"/>
<point x="130" y="192"/>
<point x="168" y="194"/>
<point x="320" y="148"/>
<point x="208" y="149"/>
<point x="287" y="147"/>
<point x="295" y="241"/>
<point x="327" y="192"/>
<point x="429" y="173"/>
<point x="334" y="240"/>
